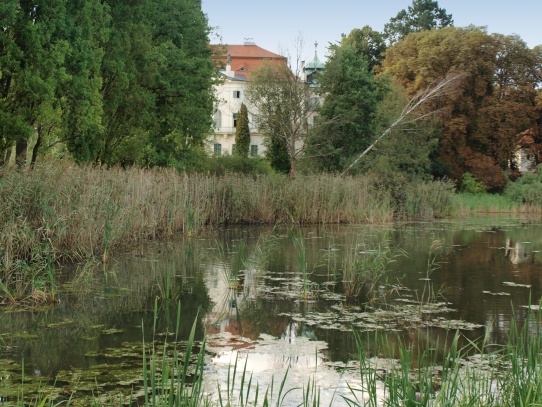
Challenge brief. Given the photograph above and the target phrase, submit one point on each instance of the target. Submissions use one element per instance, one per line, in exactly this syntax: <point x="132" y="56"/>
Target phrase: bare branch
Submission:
<point x="435" y="90"/>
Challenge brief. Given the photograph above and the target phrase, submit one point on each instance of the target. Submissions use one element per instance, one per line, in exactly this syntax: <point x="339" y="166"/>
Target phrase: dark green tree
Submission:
<point x="183" y="82"/>
<point x="422" y="15"/>
<point x="242" y="133"/>
<point x="82" y="107"/>
<point x="32" y="55"/>
<point x="368" y="43"/>
<point x="157" y="84"/>
<point x="276" y="150"/>
<point x="409" y="147"/>
<point x="50" y="64"/>
<point x="351" y="95"/>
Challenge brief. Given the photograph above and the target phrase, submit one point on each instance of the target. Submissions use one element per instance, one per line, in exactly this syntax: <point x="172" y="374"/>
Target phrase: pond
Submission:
<point x="274" y="300"/>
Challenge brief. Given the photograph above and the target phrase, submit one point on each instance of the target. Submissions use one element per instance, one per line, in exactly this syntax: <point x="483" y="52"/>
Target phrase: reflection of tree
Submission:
<point x="112" y="312"/>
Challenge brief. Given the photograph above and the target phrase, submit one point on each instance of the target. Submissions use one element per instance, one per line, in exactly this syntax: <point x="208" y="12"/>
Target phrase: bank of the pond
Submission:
<point x="65" y="212"/>
<point x="492" y="203"/>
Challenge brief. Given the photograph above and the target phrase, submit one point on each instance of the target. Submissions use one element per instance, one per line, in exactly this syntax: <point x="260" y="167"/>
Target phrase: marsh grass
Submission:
<point x="365" y="268"/>
<point x="476" y="374"/>
<point x="429" y="294"/>
<point x="62" y="212"/>
<point x="301" y="253"/>
<point x="495" y="203"/>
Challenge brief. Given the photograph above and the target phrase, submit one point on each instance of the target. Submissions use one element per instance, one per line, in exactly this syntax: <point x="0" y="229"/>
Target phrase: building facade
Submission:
<point x="238" y="61"/>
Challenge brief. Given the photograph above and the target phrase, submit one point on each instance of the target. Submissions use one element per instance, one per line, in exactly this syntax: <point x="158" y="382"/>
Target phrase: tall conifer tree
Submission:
<point x="242" y="133"/>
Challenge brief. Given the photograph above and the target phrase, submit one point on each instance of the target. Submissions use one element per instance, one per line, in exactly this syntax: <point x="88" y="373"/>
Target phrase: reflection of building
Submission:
<point x="240" y="61"/>
<point x="516" y="252"/>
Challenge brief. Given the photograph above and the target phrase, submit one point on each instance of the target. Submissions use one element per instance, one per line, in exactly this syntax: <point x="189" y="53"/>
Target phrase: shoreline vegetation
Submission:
<point x="60" y="212"/>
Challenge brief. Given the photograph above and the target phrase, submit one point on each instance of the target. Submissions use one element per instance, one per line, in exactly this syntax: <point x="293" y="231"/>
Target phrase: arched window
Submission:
<point x="217" y="119"/>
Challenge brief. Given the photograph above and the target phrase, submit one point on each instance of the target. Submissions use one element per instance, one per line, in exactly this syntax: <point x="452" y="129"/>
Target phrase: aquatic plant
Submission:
<point x="366" y="267"/>
<point x="429" y="294"/>
<point x="307" y="287"/>
<point x="391" y="372"/>
<point x="166" y="285"/>
<point x="232" y="268"/>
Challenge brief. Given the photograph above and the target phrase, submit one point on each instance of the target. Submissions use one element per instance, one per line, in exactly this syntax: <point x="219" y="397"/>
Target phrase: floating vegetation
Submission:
<point x="409" y="315"/>
<point x="492" y="293"/>
<point x="510" y="284"/>
<point x="112" y="331"/>
<point x="451" y="324"/>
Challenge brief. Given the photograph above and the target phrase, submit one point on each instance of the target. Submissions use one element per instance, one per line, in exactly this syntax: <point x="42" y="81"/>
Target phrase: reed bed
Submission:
<point x="65" y="212"/>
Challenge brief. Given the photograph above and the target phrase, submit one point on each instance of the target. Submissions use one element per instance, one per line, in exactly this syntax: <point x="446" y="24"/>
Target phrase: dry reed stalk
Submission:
<point x="77" y="212"/>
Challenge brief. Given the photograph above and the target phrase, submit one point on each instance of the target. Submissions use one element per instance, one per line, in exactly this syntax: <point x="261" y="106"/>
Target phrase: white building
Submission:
<point x="240" y="61"/>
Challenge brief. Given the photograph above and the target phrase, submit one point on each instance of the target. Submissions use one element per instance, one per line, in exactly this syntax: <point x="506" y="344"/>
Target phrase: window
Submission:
<point x="217" y="119"/>
<point x="314" y="119"/>
<point x="236" y="94"/>
<point x="233" y="149"/>
<point x="254" y="150"/>
<point x="235" y="119"/>
<point x="255" y="121"/>
<point x="218" y="149"/>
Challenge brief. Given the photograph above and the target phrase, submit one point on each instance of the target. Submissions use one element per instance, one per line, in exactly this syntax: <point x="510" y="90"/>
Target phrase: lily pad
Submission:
<point x="510" y="284"/>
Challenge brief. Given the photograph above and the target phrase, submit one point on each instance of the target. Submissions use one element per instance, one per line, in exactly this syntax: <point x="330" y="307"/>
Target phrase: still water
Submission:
<point x="271" y="303"/>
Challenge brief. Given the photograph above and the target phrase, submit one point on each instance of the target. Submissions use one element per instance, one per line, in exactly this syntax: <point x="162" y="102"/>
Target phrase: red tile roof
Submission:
<point x="245" y="58"/>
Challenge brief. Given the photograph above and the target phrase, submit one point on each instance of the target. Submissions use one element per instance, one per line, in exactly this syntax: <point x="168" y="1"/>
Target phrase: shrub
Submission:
<point x="238" y="164"/>
<point x="527" y="189"/>
<point x="471" y="185"/>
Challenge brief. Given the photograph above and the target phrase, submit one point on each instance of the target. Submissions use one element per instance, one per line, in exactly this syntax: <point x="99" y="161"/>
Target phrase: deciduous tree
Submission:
<point x="284" y="104"/>
<point x="368" y="43"/>
<point x="479" y="134"/>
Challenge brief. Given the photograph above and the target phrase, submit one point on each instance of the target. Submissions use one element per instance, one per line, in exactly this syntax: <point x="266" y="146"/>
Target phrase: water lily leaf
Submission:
<point x="510" y="284"/>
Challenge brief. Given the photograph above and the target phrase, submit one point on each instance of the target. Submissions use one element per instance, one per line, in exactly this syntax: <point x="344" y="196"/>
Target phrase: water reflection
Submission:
<point x="246" y="283"/>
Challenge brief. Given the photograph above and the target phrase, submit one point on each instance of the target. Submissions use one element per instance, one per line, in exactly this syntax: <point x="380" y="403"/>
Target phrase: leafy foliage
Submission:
<point x="470" y="185"/>
<point x="528" y="188"/>
<point x="421" y="15"/>
<point x="347" y="113"/>
<point x="113" y="82"/>
<point x="368" y="43"/>
<point x="483" y="114"/>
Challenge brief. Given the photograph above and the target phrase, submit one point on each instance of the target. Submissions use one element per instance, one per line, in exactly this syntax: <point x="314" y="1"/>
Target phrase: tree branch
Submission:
<point x="433" y="91"/>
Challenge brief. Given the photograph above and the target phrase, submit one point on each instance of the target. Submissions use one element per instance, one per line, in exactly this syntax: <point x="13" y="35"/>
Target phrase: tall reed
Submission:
<point x="62" y="211"/>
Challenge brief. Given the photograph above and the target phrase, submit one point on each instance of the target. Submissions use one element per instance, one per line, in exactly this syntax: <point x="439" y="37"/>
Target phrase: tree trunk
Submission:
<point x="21" y="148"/>
<point x="35" y="150"/>
<point x="7" y="158"/>
<point x="292" y="168"/>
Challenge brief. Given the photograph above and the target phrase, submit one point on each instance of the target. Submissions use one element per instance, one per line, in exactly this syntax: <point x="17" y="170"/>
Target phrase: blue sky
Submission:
<point x="274" y="25"/>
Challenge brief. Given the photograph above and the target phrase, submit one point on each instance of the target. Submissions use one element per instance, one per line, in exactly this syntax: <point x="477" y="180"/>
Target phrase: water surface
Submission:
<point x="258" y="306"/>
